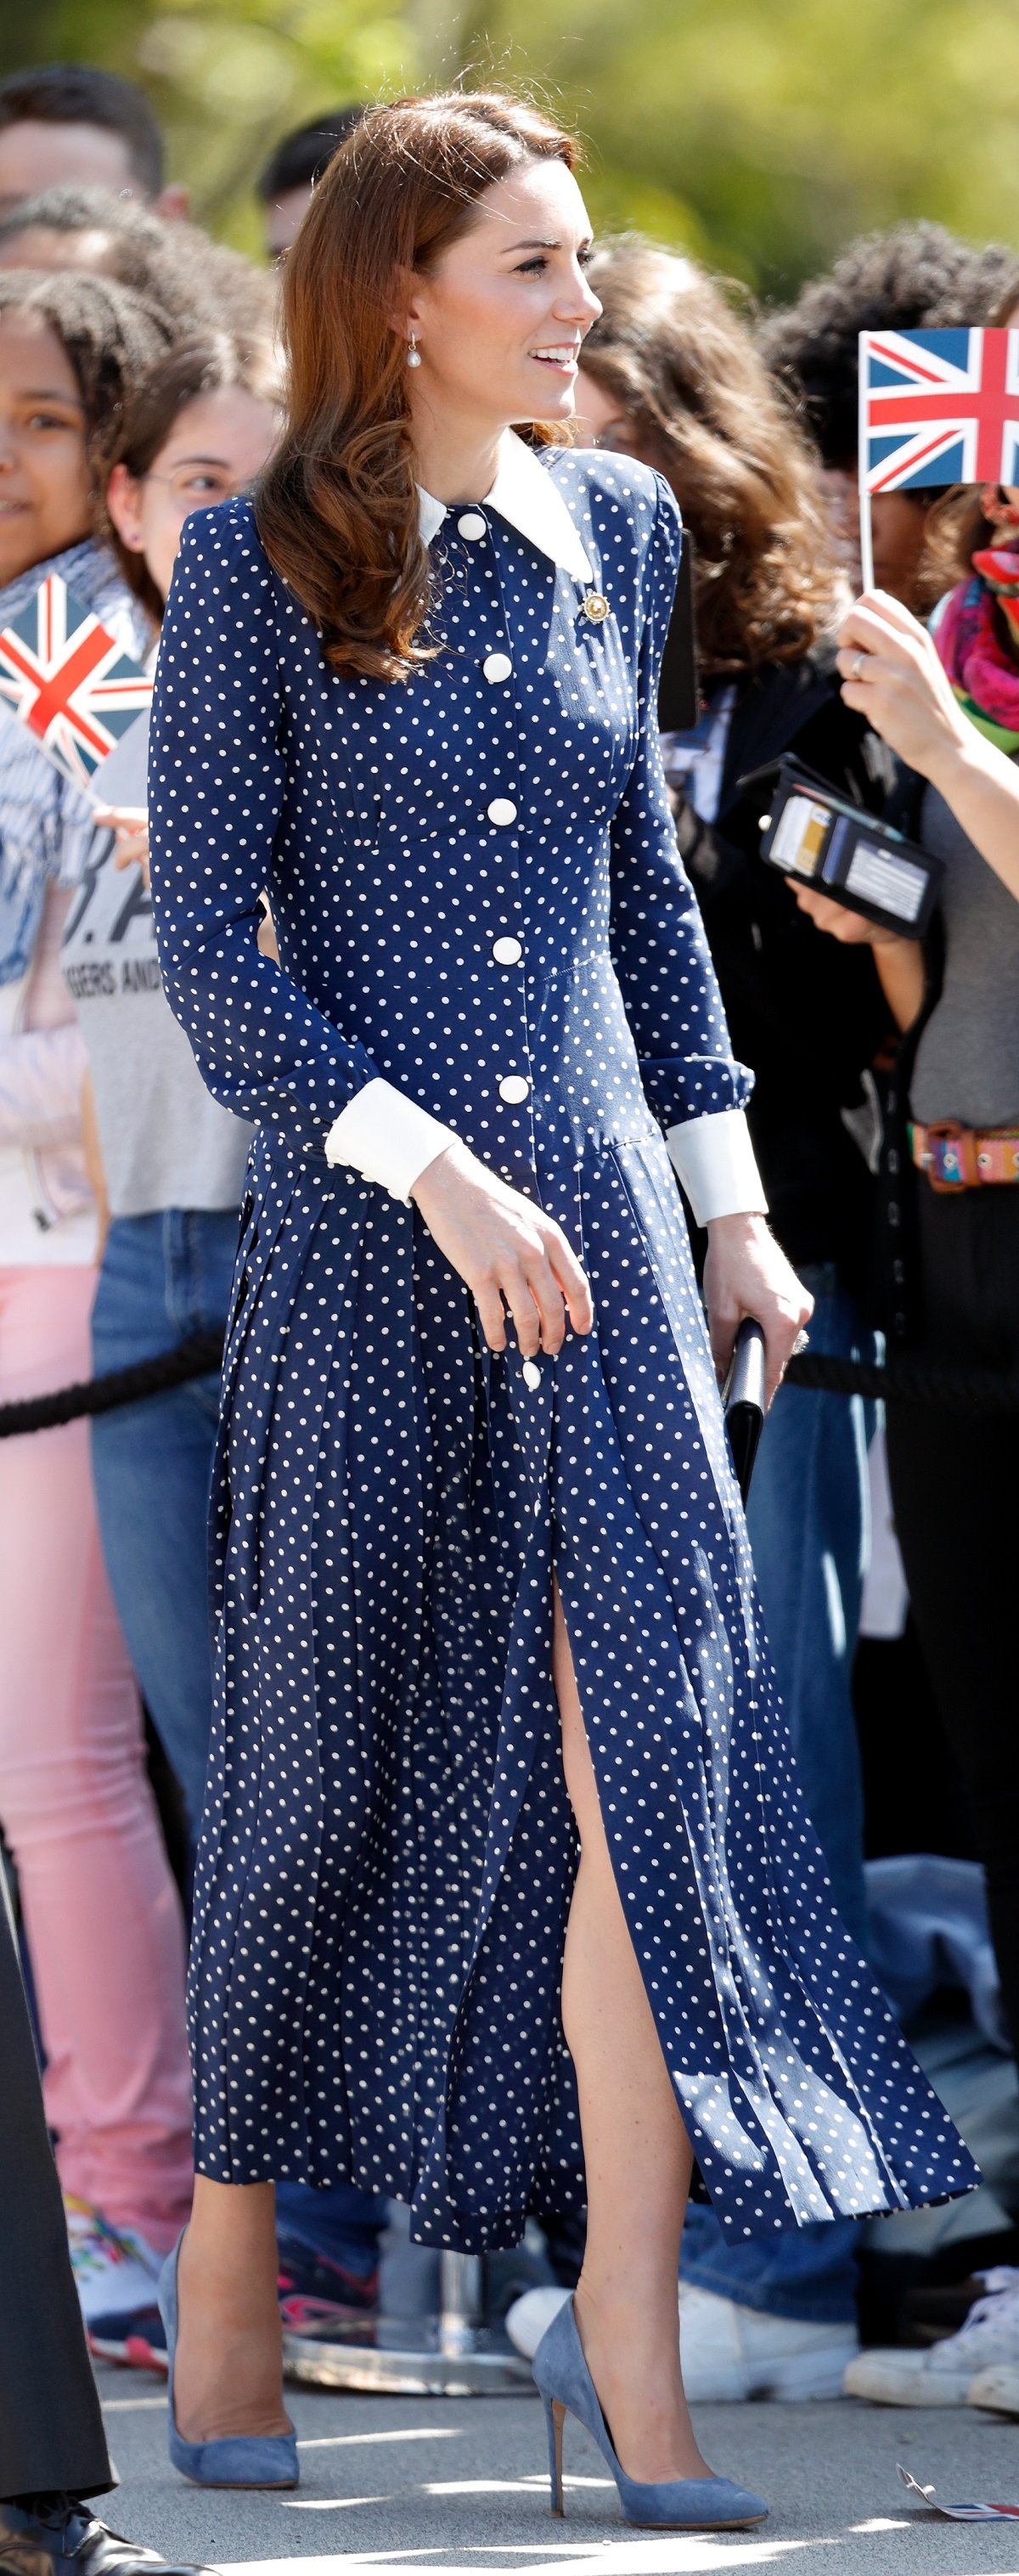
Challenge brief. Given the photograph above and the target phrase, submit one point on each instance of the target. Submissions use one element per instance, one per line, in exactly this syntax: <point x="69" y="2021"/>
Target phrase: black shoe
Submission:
<point x="51" y="2535"/>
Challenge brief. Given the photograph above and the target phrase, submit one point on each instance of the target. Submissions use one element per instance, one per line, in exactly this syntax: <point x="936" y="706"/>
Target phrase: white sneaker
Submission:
<point x="528" y="2317"/>
<point x="115" y="2269"/>
<point x="944" y="2373"/>
<point x="997" y="2387"/>
<point x="729" y="2351"/>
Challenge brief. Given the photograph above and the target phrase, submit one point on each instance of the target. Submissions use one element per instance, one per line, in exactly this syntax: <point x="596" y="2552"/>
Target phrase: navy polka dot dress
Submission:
<point x="477" y="897"/>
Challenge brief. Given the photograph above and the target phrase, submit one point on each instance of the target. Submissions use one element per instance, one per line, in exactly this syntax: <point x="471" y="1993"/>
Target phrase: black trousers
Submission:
<point x="955" y="1489"/>
<point x="51" y="2427"/>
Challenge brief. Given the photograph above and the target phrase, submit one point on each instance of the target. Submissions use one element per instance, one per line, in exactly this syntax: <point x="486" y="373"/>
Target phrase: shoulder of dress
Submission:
<point x="614" y="496"/>
<point x="225" y="541"/>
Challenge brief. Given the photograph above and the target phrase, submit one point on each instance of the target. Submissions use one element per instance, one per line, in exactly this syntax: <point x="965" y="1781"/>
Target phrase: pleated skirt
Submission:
<point x="388" y="1851"/>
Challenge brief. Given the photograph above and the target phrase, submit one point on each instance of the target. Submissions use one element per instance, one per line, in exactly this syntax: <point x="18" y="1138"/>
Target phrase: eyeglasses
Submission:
<point x="200" y="484"/>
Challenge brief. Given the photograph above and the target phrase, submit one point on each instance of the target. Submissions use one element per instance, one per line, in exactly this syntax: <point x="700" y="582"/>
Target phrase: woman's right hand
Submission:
<point x="130" y="823"/>
<point x="511" y="1255"/>
<point x="892" y="674"/>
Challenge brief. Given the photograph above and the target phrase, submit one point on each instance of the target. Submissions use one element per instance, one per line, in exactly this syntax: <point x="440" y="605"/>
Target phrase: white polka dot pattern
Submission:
<point x="388" y="1851"/>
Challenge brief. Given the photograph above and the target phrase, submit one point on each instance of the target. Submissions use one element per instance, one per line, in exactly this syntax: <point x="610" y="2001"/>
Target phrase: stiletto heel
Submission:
<point x="239" y="2459"/>
<point x="555" y="2418"/>
<point x="669" y="2504"/>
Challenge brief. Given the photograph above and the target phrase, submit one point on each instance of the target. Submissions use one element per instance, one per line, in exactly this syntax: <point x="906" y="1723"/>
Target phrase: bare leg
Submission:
<point x="638" y="2159"/>
<point x="636" y="2149"/>
<point x="229" y="2368"/>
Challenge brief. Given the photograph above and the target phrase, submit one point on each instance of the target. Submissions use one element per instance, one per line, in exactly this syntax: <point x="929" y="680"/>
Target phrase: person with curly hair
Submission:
<point x="916" y="277"/>
<point x="670" y="374"/>
<point x="201" y="284"/>
<point x="947" y="702"/>
<point x="101" y="1911"/>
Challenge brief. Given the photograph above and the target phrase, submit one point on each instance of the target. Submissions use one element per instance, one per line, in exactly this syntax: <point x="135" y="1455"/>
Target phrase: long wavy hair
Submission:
<point x="337" y="507"/>
<point x="700" y="405"/>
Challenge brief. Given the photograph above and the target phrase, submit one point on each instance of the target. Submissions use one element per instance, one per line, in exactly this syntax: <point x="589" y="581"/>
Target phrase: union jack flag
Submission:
<point x="938" y="407"/>
<point x="65" y="677"/>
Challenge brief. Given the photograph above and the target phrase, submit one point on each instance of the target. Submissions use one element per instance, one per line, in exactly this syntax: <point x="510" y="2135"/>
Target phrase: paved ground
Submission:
<point x="448" y="2484"/>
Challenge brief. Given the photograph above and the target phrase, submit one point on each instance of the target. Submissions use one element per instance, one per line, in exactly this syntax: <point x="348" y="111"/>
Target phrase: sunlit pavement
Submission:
<point x="452" y="2484"/>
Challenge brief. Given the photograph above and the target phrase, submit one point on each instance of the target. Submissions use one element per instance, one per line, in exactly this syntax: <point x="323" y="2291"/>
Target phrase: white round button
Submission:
<point x="497" y="666"/>
<point x="471" y="524"/>
<point x="514" y="1087"/>
<point x="502" y="810"/>
<point x="532" y="1374"/>
<point x="507" y="952"/>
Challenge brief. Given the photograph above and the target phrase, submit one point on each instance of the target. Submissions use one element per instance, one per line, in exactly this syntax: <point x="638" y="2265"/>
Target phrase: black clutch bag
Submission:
<point x="743" y="1399"/>
<point x="678" y="691"/>
<point x="819" y="839"/>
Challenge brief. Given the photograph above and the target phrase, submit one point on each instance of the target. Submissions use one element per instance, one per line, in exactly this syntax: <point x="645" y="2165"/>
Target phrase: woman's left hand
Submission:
<point x="746" y="1273"/>
<point x="854" y="929"/>
<point x="892" y="673"/>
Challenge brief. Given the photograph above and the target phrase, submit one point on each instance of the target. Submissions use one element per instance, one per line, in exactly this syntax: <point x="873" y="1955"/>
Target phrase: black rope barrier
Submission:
<point x="195" y="1357"/>
<point x="906" y="1381"/>
<point x="894" y="1381"/>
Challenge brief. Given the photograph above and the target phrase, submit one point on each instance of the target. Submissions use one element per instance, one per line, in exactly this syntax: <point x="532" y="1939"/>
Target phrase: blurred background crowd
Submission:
<point x="762" y="194"/>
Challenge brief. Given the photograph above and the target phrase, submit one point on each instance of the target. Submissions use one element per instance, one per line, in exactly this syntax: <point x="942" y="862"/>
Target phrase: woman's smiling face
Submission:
<point x="45" y="486"/>
<point x="501" y="319"/>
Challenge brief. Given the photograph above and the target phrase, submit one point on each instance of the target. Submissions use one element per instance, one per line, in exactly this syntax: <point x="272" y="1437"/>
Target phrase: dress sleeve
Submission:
<point x="216" y="790"/>
<point x="692" y="1081"/>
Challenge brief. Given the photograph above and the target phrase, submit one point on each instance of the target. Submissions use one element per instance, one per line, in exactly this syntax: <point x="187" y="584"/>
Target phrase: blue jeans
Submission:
<point x="809" y="1529"/>
<point x="164" y="1277"/>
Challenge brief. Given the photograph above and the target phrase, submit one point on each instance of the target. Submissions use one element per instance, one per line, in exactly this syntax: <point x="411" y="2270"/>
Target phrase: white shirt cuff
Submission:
<point x="714" y="1159"/>
<point x="386" y="1138"/>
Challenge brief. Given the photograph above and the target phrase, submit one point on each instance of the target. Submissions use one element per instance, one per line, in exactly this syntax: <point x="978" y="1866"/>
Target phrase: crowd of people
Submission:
<point x="141" y="381"/>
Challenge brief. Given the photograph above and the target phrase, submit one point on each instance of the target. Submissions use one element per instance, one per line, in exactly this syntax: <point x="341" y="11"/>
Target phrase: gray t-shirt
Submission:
<point x="165" y="1141"/>
<point x="967" y="1062"/>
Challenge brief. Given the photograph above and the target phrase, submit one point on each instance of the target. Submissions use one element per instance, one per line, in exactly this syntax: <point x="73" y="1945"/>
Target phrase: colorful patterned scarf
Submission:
<point x="983" y="672"/>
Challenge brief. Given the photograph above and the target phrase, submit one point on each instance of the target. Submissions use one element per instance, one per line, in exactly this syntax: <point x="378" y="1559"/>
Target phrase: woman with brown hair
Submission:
<point x="948" y="705"/>
<point x="483" y="1577"/>
<point x="671" y="374"/>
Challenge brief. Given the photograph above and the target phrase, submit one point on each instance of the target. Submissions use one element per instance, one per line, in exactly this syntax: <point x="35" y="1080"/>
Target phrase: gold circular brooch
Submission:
<point x="596" y="607"/>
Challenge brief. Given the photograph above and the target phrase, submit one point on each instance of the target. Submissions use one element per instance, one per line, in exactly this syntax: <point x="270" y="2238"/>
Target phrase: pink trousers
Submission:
<point x="102" y="1914"/>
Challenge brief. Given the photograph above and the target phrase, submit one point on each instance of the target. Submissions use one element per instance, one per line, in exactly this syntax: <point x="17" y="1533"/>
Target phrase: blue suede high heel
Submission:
<point x="672" y="2504"/>
<point x="241" y="2459"/>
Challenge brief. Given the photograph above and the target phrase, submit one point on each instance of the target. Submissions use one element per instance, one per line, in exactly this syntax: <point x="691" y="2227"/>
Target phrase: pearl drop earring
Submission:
<point x="413" y="353"/>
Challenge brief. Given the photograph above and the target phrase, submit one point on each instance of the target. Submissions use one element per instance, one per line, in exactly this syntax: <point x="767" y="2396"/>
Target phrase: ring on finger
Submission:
<point x="801" y="1343"/>
<point x="859" y="666"/>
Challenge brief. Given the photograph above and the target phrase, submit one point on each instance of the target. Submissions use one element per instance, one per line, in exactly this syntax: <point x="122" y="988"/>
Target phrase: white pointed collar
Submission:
<point x="524" y="493"/>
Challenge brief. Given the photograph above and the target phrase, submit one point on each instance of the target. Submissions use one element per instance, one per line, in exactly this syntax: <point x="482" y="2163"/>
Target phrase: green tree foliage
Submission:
<point x="768" y="131"/>
<point x="759" y="133"/>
